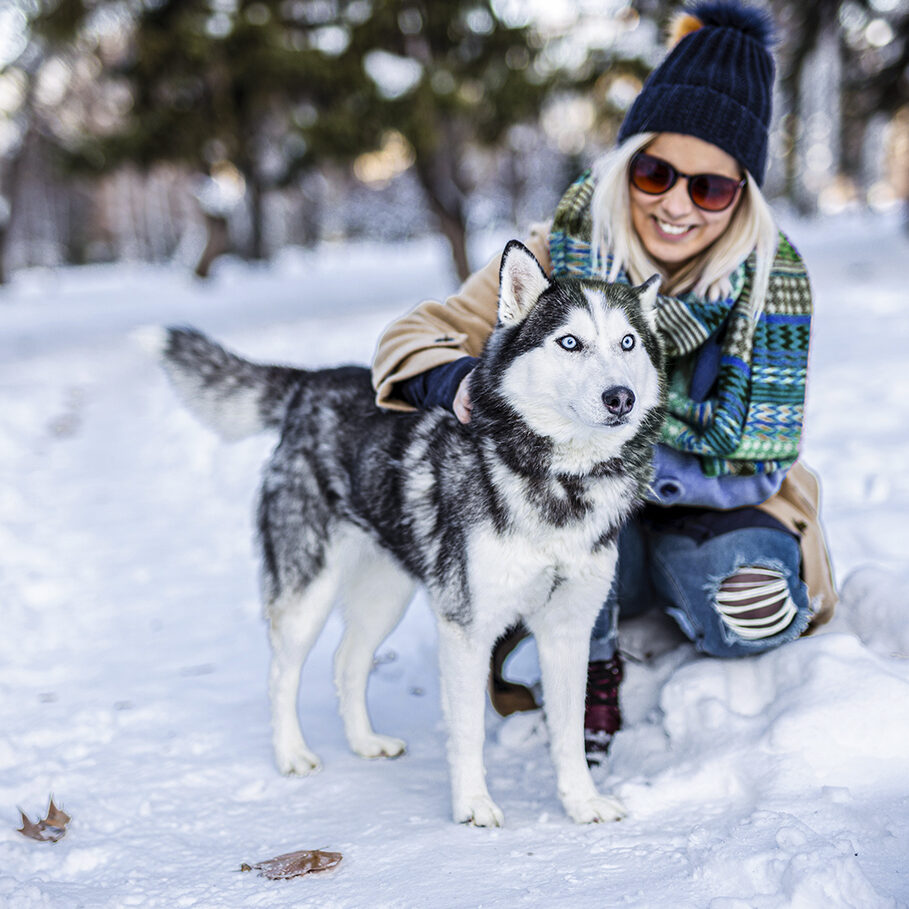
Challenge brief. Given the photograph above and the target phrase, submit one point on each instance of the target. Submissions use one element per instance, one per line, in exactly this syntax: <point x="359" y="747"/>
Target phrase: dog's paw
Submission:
<point x="595" y="809"/>
<point x="297" y="762"/>
<point x="479" y="811"/>
<point x="378" y="746"/>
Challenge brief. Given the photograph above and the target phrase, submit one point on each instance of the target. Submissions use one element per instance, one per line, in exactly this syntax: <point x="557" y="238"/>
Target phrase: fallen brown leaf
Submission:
<point x="294" y="864"/>
<point x="56" y="817"/>
<point x="30" y="829"/>
<point x="51" y="829"/>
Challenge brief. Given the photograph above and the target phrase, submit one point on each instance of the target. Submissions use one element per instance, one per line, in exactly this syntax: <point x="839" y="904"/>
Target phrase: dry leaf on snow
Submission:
<point x="51" y="829"/>
<point x="56" y="817"/>
<point x="294" y="864"/>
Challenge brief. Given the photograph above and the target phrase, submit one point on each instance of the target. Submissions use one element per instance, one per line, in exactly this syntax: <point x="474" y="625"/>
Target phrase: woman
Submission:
<point x="729" y="543"/>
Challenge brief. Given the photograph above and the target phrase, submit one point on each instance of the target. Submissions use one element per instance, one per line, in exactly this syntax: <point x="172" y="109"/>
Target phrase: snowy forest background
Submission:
<point x="175" y="130"/>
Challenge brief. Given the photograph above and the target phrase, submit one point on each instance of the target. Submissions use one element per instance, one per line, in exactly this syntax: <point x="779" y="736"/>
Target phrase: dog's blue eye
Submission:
<point x="628" y="342"/>
<point x="569" y="342"/>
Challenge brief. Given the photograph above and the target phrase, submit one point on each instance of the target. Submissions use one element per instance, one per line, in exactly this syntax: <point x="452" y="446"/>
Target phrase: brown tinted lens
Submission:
<point x="711" y="191"/>
<point x="651" y="175"/>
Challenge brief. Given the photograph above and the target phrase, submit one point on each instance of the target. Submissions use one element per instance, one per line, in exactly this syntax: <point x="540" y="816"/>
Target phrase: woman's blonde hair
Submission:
<point x="752" y="228"/>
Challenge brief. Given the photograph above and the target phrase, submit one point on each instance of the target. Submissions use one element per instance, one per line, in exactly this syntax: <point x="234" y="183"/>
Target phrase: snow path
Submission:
<point x="133" y="658"/>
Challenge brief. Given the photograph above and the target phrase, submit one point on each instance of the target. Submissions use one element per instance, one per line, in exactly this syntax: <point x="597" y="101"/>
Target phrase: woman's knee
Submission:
<point x="755" y="603"/>
<point x="736" y="593"/>
<point x="751" y="610"/>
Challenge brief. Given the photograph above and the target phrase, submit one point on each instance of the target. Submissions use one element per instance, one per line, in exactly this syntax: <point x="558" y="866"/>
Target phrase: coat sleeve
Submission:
<point x="435" y="333"/>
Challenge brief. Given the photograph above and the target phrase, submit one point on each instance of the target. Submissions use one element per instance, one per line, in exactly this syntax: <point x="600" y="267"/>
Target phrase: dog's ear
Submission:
<point x="521" y="281"/>
<point x="647" y="297"/>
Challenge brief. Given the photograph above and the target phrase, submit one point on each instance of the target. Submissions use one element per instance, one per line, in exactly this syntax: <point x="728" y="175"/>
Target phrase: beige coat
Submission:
<point x="435" y="333"/>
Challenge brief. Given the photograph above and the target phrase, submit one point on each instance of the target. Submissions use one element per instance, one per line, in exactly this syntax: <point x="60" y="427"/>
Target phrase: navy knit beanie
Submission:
<point x="716" y="84"/>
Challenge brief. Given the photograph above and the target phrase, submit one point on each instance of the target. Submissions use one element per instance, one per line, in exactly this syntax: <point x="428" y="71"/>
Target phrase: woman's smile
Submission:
<point x="671" y="232"/>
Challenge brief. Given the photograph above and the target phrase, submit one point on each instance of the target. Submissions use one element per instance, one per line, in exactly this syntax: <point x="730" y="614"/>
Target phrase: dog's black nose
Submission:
<point x="618" y="400"/>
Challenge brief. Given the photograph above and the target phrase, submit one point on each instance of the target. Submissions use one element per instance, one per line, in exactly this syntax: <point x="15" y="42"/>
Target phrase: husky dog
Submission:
<point x="514" y="515"/>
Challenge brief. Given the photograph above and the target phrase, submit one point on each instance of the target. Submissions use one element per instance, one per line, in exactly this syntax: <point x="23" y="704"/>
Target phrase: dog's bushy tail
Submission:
<point x="232" y="396"/>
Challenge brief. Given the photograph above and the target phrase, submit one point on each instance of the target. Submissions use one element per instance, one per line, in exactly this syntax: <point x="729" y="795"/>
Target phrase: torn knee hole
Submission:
<point x="755" y="602"/>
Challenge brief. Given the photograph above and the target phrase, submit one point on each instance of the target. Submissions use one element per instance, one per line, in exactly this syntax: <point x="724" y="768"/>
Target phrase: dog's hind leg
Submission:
<point x="295" y="618"/>
<point x="376" y="593"/>
<point x="464" y="668"/>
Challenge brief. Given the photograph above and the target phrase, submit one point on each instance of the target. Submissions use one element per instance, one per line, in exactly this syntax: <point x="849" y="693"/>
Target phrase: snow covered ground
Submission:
<point x="133" y="657"/>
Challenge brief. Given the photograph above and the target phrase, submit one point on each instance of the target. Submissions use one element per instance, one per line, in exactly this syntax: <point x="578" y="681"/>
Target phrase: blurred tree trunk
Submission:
<point x="438" y="172"/>
<point x="449" y="212"/>
<point x="455" y="232"/>
<point x="9" y="195"/>
<point x="6" y="210"/>
<point x="515" y="181"/>
<point x="796" y="54"/>
<point x="801" y="27"/>
<point x="11" y="173"/>
<point x="217" y="243"/>
<point x="3" y="233"/>
<point x="257" y="250"/>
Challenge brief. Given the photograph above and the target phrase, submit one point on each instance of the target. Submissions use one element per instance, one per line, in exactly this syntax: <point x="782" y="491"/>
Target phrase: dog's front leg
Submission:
<point x="464" y="668"/>
<point x="562" y="632"/>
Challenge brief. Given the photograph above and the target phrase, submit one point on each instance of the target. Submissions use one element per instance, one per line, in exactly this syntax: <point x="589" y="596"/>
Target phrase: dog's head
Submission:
<point x="579" y="361"/>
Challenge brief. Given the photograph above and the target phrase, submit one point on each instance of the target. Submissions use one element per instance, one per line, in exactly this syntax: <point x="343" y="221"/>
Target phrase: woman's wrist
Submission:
<point x="437" y="387"/>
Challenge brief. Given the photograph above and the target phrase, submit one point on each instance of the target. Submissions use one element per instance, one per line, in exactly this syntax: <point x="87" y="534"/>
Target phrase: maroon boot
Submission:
<point x="602" y="718"/>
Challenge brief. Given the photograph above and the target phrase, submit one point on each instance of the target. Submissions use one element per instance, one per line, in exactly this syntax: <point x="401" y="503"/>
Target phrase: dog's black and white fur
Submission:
<point x="514" y="515"/>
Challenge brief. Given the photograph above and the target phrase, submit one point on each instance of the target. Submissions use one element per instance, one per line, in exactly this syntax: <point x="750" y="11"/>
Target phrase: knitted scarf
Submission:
<point x="752" y="421"/>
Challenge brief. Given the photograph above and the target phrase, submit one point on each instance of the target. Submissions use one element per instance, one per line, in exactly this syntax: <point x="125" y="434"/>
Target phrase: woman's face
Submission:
<point x="671" y="227"/>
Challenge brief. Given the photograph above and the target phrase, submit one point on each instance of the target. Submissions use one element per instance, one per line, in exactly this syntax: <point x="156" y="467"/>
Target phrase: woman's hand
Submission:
<point x="461" y="404"/>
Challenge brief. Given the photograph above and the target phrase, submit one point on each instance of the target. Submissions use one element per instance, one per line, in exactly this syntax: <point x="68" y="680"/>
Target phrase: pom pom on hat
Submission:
<point x="680" y="26"/>
<point x="748" y="20"/>
<point x="716" y="83"/>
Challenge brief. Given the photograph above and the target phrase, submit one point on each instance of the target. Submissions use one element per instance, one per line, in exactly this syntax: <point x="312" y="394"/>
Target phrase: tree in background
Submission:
<point x="875" y="41"/>
<point x="429" y="80"/>
<point x="869" y="40"/>
<point x="211" y="85"/>
<point x="22" y="115"/>
<point x="271" y="87"/>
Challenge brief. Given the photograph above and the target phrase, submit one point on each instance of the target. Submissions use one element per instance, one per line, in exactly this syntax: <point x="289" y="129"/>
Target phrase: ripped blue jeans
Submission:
<point x="676" y="559"/>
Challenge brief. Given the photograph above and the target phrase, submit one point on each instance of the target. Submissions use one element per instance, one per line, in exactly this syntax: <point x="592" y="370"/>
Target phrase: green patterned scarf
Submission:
<point x="752" y="421"/>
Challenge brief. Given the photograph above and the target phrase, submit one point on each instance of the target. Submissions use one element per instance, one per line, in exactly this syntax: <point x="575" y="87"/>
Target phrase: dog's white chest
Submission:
<point x="518" y="570"/>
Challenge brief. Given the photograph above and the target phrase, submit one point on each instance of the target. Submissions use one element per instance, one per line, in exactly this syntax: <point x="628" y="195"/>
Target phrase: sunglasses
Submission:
<point x="710" y="192"/>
